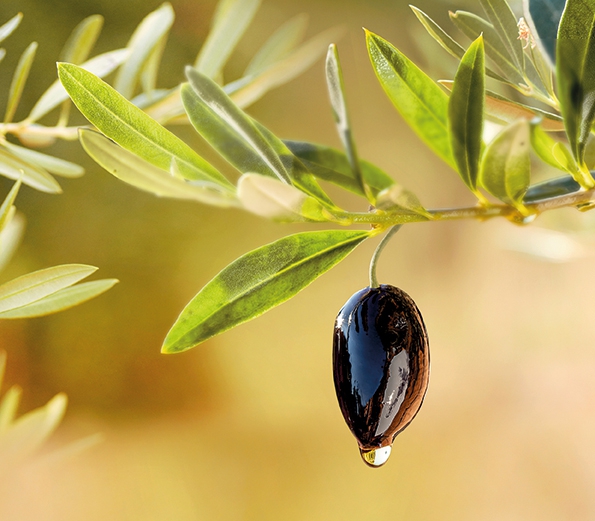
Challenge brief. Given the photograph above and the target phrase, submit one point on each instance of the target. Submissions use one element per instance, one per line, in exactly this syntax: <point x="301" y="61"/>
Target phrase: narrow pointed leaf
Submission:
<point x="551" y="188"/>
<point x="137" y="172"/>
<point x="331" y="165"/>
<point x="544" y="17"/>
<point x="82" y="40"/>
<point x="279" y="45"/>
<point x="257" y="282"/>
<point x="39" y="284"/>
<point x="543" y="145"/>
<point x="61" y="300"/>
<point x="397" y="199"/>
<point x="420" y="101"/>
<point x="131" y="128"/>
<point x="8" y="407"/>
<point x="231" y="21"/>
<point x="10" y="237"/>
<point x="500" y="15"/>
<point x="19" y="79"/>
<point x="53" y="165"/>
<point x="7" y="208"/>
<point x="336" y="89"/>
<point x="34" y="176"/>
<point x="148" y="34"/>
<point x="7" y="28"/>
<point x="506" y="168"/>
<point x="249" y="90"/>
<point x="270" y="198"/>
<point x="150" y="71"/>
<point x="575" y="63"/>
<point x="100" y="66"/>
<point x="465" y="113"/>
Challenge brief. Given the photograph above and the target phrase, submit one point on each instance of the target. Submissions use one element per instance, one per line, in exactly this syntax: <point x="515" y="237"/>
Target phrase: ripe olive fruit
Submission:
<point x="381" y="367"/>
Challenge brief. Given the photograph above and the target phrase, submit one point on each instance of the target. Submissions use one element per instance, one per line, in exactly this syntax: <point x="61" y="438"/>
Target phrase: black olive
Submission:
<point x="381" y="367"/>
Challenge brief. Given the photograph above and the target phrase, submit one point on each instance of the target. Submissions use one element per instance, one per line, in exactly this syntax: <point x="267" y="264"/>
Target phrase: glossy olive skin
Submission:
<point x="381" y="363"/>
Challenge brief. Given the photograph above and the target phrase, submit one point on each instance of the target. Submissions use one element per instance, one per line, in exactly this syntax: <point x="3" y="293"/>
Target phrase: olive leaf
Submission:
<point x="19" y="79"/>
<point x="54" y="165"/>
<point x="575" y="62"/>
<point x="505" y="167"/>
<point x="465" y="113"/>
<point x="419" y="100"/>
<point x="332" y="165"/>
<point x="82" y="40"/>
<point x="7" y="208"/>
<point x="500" y="15"/>
<point x="551" y="188"/>
<point x="257" y="282"/>
<point x="14" y="167"/>
<point x="131" y="128"/>
<point x="7" y="28"/>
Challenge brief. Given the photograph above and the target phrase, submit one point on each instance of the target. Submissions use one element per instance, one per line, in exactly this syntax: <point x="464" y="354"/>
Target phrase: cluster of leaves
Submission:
<point x="280" y="179"/>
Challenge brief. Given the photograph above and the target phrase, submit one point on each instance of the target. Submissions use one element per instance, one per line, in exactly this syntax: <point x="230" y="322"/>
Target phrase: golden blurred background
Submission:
<point x="246" y="427"/>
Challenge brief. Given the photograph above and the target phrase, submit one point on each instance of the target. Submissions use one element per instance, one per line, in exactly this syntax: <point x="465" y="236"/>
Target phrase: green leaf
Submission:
<point x="257" y="282"/>
<point x="421" y="102"/>
<point x="279" y="45"/>
<point x="229" y="130"/>
<point x="473" y="26"/>
<point x="143" y="41"/>
<point x="7" y="28"/>
<point x="336" y="89"/>
<point x="575" y="63"/>
<point x="131" y="128"/>
<point x="551" y="188"/>
<point x="137" y="172"/>
<point x="506" y="168"/>
<point x="19" y="79"/>
<point x="331" y="165"/>
<point x="7" y="208"/>
<point x="101" y="66"/>
<point x="544" y="16"/>
<point x="230" y="22"/>
<point x="397" y="199"/>
<point x="15" y="168"/>
<point x="52" y="164"/>
<point x="447" y="42"/>
<point x="465" y="113"/>
<point x="61" y="300"/>
<point x="82" y="40"/>
<point x="272" y="199"/>
<point x="246" y="91"/>
<point x="504" y="21"/>
<point x="543" y="145"/>
<point x="39" y="284"/>
<point x="150" y="71"/>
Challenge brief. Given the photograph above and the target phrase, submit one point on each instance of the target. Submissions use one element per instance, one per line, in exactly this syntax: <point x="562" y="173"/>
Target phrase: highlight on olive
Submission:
<point x="381" y="367"/>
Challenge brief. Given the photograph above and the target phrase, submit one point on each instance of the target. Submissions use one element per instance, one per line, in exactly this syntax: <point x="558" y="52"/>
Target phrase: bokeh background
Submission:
<point x="246" y="427"/>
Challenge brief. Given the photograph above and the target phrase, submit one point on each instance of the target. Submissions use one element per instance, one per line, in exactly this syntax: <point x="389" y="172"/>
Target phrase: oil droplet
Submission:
<point x="375" y="457"/>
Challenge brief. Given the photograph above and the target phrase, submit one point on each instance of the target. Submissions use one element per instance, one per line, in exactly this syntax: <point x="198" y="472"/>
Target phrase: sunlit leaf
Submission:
<point x="543" y="145"/>
<point x="34" y="176"/>
<point x="9" y="406"/>
<point x="21" y="73"/>
<point x="100" y="65"/>
<point x="249" y="90"/>
<point x="270" y="198"/>
<point x="61" y="300"/>
<point x="465" y="113"/>
<point x="229" y="24"/>
<point x="82" y="40"/>
<point x="10" y="237"/>
<point x="29" y="431"/>
<point x="473" y="26"/>
<point x="280" y="43"/>
<point x="7" y="28"/>
<point x="506" y="168"/>
<point x="544" y="16"/>
<point x="575" y="63"/>
<point x="147" y="35"/>
<point x="39" y="284"/>
<point x="137" y="172"/>
<point x="331" y="165"/>
<point x="257" y="282"/>
<point x="52" y="164"/>
<point x="336" y="89"/>
<point x="131" y="128"/>
<point x="566" y="161"/>
<point x="7" y="208"/>
<point x="421" y="102"/>
<point x="500" y="15"/>
<point x="150" y="71"/>
<point x="398" y="199"/>
<point x="551" y="188"/>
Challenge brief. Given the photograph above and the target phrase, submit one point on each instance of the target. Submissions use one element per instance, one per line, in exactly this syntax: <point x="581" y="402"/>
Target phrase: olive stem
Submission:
<point x="376" y="256"/>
